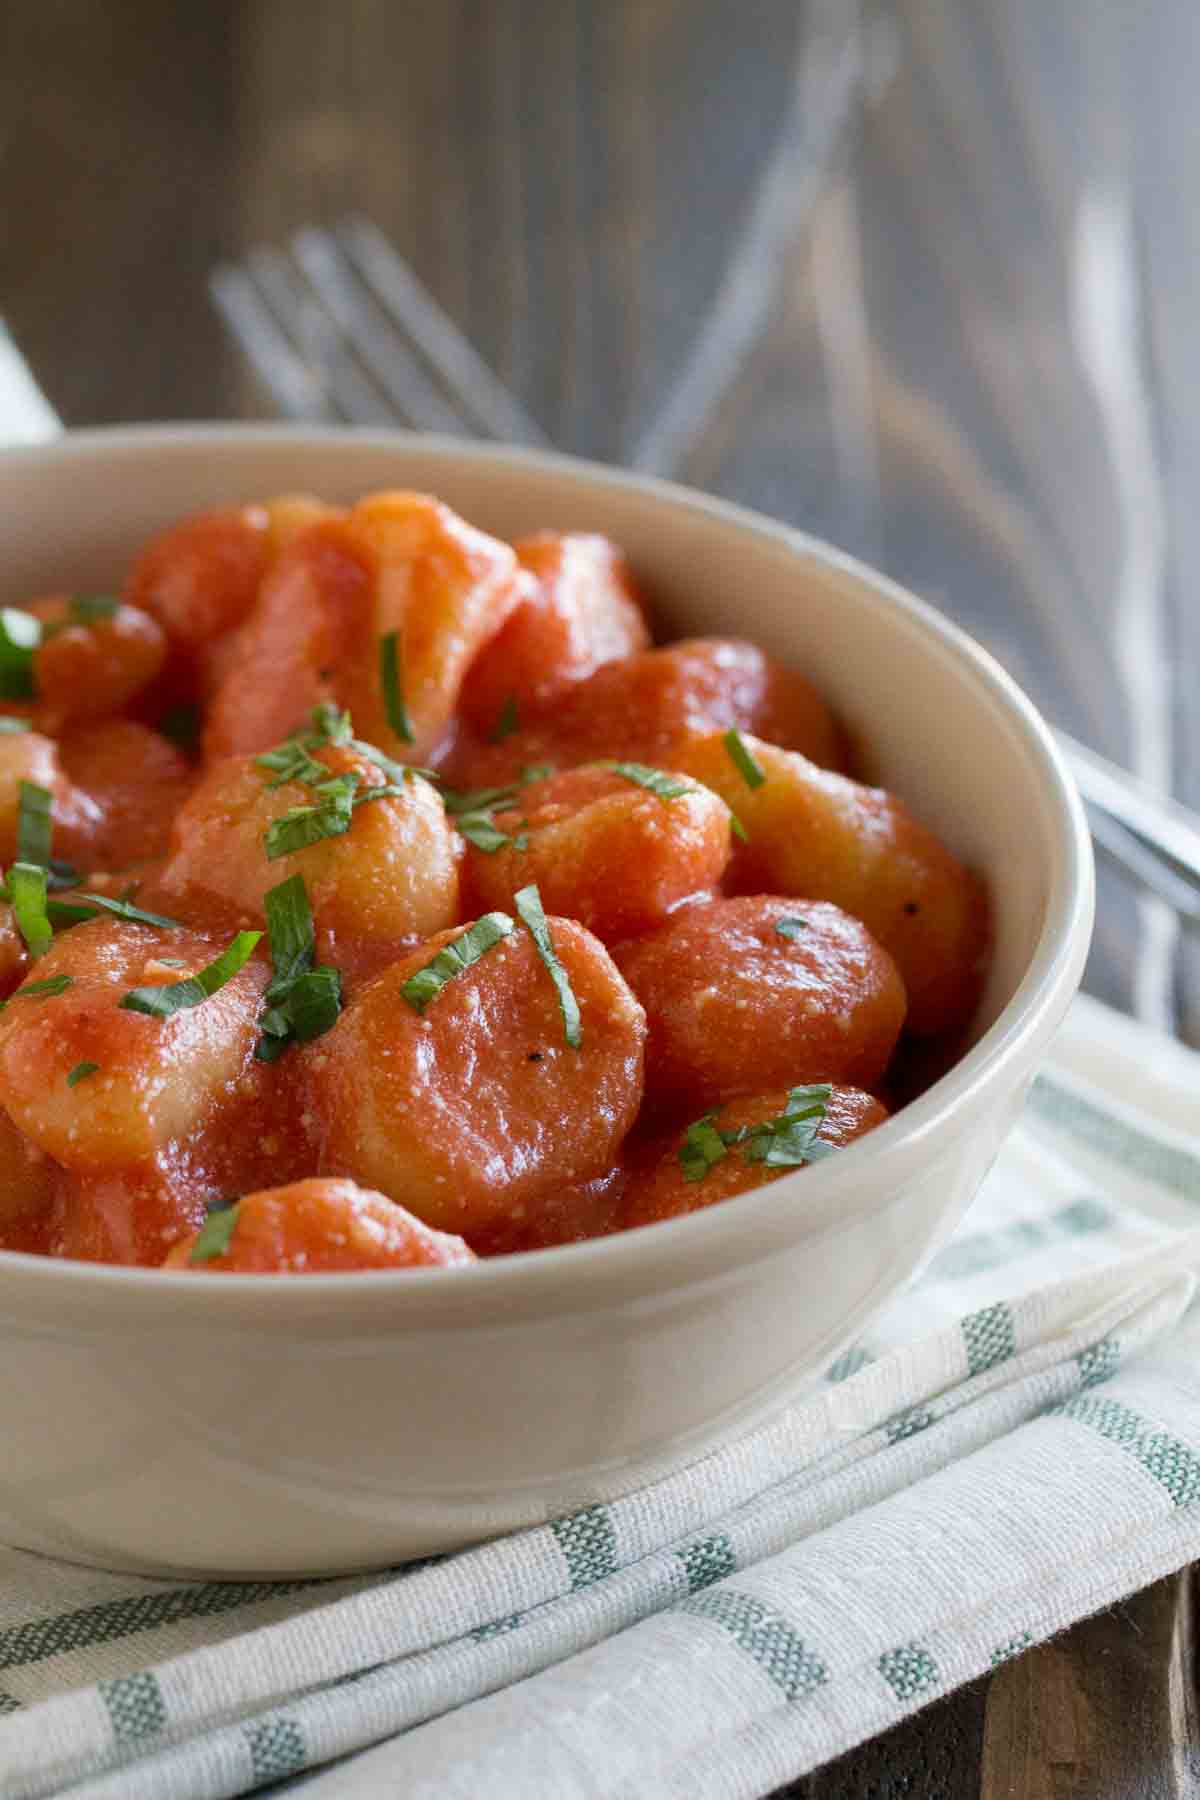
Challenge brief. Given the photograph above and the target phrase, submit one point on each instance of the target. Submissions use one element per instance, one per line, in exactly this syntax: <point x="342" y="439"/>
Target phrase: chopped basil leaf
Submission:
<point x="171" y="962"/>
<point x="80" y="1072"/>
<point x="788" y="1141"/>
<point x="478" y="829"/>
<point x="791" y="1140"/>
<point x="469" y="800"/>
<point x="667" y="787"/>
<point x="89" y="904"/>
<point x="34" y="990"/>
<point x="62" y="914"/>
<point x="528" y="903"/>
<point x="743" y="760"/>
<point x="791" y="928"/>
<point x="12" y="725"/>
<point x="390" y="790"/>
<point x="329" y="816"/>
<point x="703" y="1146"/>
<point x="182" y="725"/>
<point x="163" y="1002"/>
<point x="290" y="928"/>
<point x="88" y="609"/>
<point x="213" y="1237"/>
<point x="427" y="983"/>
<point x="20" y="635"/>
<point x="466" y="800"/>
<point x="27" y="887"/>
<point x="303" y="1002"/>
<point x="314" y="1003"/>
<point x="395" y="771"/>
<point x="60" y="875"/>
<point x="291" y="761"/>
<point x="507" y="722"/>
<point x="738" y="829"/>
<point x="393" y="686"/>
<point x="33" y="824"/>
<point x="330" y="724"/>
<point x="471" y="810"/>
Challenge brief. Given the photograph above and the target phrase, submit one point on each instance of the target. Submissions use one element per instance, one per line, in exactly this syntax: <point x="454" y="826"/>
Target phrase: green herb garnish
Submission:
<point x="393" y="686"/>
<point x="40" y="990"/>
<point x="528" y="903"/>
<point x="427" y="983"/>
<point x="213" y="1237"/>
<point x="671" y="787"/>
<point x="33" y="824"/>
<point x="703" y="1146"/>
<point x="471" y="800"/>
<point x="743" y="760"/>
<point x="330" y="815"/>
<point x="302" y="1001"/>
<point x="88" y="906"/>
<point x="329" y="723"/>
<point x="60" y="875"/>
<point x="667" y="787"/>
<point x="11" y="725"/>
<point x="791" y="928"/>
<point x="790" y="1140"/>
<point x="80" y="1072"/>
<point x="27" y="890"/>
<point x="390" y="790"/>
<point x="290" y="928"/>
<point x="164" y="1002"/>
<point x="291" y="761"/>
<point x="478" y="829"/>
<point x="507" y="722"/>
<point x="20" y="635"/>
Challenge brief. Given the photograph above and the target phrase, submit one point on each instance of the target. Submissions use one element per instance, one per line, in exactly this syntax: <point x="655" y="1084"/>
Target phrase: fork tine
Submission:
<point x="250" y="321"/>
<point x="467" y="377"/>
<point x="318" y="339"/>
<point x="374" y="337"/>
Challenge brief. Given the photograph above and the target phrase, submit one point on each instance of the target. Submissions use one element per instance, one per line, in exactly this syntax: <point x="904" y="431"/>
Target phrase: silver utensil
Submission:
<point x="1153" y="836"/>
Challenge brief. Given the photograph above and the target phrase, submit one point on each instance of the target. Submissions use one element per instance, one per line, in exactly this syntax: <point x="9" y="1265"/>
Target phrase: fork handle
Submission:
<point x="1168" y="830"/>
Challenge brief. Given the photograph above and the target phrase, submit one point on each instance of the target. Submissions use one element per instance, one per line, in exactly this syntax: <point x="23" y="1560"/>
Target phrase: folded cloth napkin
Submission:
<point x="1015" y="1444"/>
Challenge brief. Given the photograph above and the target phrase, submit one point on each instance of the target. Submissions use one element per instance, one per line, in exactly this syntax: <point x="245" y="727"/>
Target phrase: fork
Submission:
<point x="342" y="329"/>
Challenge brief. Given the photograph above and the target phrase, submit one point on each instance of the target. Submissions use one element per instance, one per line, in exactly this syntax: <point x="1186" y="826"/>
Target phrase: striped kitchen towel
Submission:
<point x="1013" y="1445"/>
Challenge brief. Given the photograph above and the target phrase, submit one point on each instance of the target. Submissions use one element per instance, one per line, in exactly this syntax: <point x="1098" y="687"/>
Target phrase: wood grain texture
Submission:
<point x="1109" y="1709"/>
<point x="971" y="359"/>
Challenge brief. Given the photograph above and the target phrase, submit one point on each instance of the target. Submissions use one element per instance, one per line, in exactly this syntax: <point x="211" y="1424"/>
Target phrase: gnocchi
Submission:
<point x="379" y="895"/>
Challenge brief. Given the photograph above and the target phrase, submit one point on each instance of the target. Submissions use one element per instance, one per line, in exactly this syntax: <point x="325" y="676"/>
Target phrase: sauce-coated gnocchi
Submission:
<point x="377" y="895"/>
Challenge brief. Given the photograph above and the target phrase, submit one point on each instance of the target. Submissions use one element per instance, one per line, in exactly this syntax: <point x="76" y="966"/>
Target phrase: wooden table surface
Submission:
<point x="926" y="283"/>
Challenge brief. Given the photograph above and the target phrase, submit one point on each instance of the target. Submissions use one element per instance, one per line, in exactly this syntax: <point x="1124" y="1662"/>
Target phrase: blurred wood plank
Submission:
<point x="117" y="164"/>
<point x="1111" y="1708"/>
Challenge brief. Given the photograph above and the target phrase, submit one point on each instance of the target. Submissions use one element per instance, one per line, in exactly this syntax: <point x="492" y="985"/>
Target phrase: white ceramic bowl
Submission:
<point x="254" y="1425"/>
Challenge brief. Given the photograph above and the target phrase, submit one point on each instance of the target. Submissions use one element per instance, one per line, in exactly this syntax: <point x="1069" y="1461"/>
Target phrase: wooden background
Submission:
<point x="936" y="273"/>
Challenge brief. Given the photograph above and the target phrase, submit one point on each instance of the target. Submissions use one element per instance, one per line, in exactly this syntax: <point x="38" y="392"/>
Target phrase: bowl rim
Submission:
<point x="715" y="1238"/>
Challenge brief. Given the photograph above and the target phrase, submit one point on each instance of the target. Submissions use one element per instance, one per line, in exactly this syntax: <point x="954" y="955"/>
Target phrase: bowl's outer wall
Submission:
<point x="183" y="1443"/>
